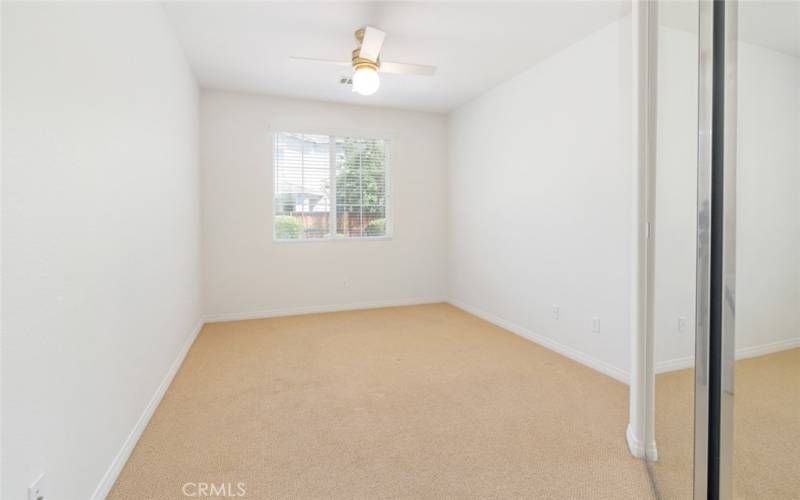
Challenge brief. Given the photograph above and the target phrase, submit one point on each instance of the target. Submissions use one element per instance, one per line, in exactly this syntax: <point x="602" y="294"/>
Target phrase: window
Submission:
<point x="329" y="187"/>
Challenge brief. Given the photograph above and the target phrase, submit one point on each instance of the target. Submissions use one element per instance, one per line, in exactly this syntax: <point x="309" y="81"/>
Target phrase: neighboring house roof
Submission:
<point x="292" y="193"/>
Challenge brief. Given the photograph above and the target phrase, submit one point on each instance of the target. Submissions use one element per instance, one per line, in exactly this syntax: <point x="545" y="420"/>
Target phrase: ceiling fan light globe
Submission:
<point x="366" y="81"/>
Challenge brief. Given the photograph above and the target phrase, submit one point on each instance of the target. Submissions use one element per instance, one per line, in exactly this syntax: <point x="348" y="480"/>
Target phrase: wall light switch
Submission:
<point x="681" y="324"/>
<point x="36" y="489"/>
<point x="595" y="324"/>
<point x="555" y="312"/>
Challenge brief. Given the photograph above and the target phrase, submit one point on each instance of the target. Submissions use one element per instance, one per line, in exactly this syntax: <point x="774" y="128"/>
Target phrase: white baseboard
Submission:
<point x="638" y="448"/>
<point x="124" y="453"/>
<point x="743" y="353"/>
<point x="772" y="347"/>
<point x="294" y="311"/>
<point x="672" y="365"/>
<point x="574" y="354"/>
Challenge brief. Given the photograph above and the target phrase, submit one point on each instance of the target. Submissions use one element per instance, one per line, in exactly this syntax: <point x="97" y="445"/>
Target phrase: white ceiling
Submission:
<point x="247" y="46"/>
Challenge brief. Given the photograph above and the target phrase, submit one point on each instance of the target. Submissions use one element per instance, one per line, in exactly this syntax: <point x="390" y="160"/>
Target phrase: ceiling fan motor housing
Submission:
<point x="360" y="62"/>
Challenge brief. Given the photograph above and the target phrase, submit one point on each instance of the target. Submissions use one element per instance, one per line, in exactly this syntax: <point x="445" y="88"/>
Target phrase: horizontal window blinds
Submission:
<point x="302" y="186"/>
<point x="329" y="187"/>
<point x="360" y="187"/>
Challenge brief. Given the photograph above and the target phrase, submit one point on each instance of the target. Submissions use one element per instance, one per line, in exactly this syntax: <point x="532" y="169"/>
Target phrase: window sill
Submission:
<point x="341" y="238"/>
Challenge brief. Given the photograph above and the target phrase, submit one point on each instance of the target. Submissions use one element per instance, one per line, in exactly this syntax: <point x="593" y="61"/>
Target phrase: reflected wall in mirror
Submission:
<point x="767" y="377"/>
<point x="675" y="247"/>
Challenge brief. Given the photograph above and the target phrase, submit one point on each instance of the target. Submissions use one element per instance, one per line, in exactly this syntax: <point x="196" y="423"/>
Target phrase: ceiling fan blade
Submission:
<point x="323" y="61"/>
<point x="407" y="69"/>
<point x="372" y="43"/>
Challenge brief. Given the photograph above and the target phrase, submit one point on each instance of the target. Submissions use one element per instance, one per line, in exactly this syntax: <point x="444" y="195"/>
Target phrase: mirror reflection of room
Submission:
<point x="766" y="438"/>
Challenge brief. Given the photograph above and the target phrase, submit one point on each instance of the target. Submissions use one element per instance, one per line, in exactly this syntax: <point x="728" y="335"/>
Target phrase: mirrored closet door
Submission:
<point x="726" y="250"/>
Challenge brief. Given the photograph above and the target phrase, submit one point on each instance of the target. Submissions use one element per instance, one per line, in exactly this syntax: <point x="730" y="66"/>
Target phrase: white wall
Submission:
<point x="540" y="201"/>
<point x="768" y="218"/>
<point x="247" y="274"/>
<point x="768" y="183"/>
<point x="100" y="233"/>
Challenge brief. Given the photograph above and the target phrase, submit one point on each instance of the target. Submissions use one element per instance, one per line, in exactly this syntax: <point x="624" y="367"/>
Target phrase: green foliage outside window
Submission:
<point x="376" y="227"/>
<point x="288" y="227"/>
<point x="360" y="176"/>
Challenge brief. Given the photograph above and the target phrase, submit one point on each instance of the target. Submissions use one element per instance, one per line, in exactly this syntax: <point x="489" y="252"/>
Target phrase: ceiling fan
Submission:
<point x="366" y="62"/>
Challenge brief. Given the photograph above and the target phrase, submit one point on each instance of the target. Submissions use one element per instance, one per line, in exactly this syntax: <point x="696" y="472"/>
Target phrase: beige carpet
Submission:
<point x="412" y="402"/>
<point x="766" y="429"/>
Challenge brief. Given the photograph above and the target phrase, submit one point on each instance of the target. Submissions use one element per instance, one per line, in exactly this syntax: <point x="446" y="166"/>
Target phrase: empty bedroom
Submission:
<point x="270" y="250"/>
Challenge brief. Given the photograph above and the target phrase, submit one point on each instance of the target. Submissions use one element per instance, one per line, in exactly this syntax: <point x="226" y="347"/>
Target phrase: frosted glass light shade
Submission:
<point x="366" y="81"/>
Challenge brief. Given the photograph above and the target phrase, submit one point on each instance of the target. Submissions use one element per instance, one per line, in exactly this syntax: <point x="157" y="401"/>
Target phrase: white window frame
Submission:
<point x="332" y="136"/>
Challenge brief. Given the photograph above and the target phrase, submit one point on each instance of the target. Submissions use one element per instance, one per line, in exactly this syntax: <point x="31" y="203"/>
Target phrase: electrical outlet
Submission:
<point x="595" y="324"/>
<point x="681" y="324"/>
<point x="556" y="312"/>
<point x="36" y="489"/>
